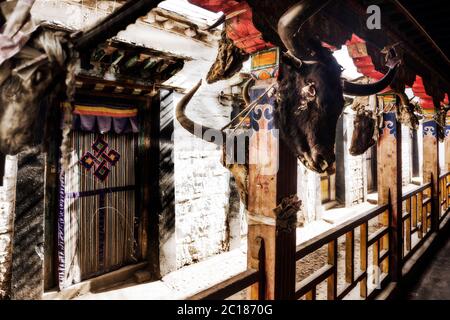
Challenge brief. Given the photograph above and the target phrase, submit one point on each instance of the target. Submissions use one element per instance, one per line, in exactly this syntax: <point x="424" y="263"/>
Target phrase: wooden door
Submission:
<point x="99" y="206"/>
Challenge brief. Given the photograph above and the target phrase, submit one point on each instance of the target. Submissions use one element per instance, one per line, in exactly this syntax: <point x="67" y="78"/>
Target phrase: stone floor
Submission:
<point x="434" y="282"/>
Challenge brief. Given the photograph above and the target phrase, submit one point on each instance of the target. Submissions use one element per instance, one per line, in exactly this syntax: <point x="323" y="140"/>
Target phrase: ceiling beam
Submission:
<point x="416" y="23"/>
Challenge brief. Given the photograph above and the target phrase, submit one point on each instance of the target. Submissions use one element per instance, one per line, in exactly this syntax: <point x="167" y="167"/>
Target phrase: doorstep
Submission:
<point x="179" y="284"/>
<point x="95" y="284"/>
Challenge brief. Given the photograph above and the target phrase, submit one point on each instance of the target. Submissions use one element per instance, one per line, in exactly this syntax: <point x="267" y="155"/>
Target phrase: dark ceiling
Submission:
<point x="420" y="27"/>
<point x="433" y="15"/>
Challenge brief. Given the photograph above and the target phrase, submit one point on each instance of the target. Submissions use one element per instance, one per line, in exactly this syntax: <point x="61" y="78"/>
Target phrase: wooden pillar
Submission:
<point x="390" y="185"/>
<point x="271" y="214"/>
<point x="147" y="176"/>
<point x="431" y="163"/>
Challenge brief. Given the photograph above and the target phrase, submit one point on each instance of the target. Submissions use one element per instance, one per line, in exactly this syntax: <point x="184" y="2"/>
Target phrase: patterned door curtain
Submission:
<point x="97" y="216"/>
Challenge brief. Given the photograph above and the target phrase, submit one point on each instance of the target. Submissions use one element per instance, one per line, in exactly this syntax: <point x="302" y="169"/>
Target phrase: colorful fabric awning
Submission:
<point x="103" y="119"/>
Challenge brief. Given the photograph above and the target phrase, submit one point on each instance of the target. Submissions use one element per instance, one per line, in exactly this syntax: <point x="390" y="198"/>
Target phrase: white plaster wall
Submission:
<point x="201" y="183"/>
<point x="7" y="205"/>
<point x="79" y="14"/>
<point x="354" y="166"/>
<point x="75" y="16"/>
<point x="406" y="156"/>
<point x="308" y="191"/>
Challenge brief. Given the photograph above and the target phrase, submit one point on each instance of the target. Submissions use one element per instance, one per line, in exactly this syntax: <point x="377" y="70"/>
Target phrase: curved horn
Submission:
<point x="293" y="19"/>
<point x="356" y="89"/>
<point x="205" y="133"/>
<point x="115" y="22"/>
<point x="245" y="90"/>
<point x="221" y="20"/>
<point x="225" y="17"/>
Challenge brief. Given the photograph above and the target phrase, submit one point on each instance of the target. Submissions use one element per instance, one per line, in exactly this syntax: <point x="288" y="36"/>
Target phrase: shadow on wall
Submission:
<point x="28" y="243"/>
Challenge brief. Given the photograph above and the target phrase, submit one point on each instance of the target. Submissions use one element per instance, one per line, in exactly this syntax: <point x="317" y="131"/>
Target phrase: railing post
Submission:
<point x="396" y="241"/>
<point x="435" y="202"/>
<point x="390" y="191"/>
<point x="272" y="204"/>
<point x="431" y="164"/>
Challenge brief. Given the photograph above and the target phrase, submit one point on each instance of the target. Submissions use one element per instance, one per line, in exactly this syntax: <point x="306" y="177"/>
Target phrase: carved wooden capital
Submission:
<point x="286" y="213"/>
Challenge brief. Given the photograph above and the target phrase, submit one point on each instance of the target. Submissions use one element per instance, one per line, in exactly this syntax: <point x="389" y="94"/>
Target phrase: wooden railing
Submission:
<point x="239" y="282"/>
<point x="358" y="266"/>
<point x="416" y="218"/>
<point x="378" y="241"/>
<point x="444" y="195"/>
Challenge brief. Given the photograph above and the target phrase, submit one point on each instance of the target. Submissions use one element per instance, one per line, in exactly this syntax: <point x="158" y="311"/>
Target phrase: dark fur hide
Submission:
<point x="311" y="132"/>
<point x="24" y="102"/>
<point x="363" y="133"/>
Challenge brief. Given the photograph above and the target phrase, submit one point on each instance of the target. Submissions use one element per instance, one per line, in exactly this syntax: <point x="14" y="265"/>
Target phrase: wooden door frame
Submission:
<point x="147" y="106"/>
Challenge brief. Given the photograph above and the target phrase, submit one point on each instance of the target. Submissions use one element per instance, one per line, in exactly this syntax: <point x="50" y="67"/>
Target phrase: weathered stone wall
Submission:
<point x="7" y="205"/>
<point x="202" y="185"/>
<point x="28" y="245"/>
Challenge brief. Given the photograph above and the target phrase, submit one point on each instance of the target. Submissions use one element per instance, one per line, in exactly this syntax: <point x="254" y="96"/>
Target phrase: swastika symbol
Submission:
<point x="102" y="159"/>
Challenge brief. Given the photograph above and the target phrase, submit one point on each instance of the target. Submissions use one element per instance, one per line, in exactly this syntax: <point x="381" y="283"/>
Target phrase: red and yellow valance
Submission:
<point x="103" y="119"/>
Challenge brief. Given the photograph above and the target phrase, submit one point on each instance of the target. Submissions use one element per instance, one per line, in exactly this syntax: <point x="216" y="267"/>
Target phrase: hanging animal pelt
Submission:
<point x="408" y="113"/>
<point x="229" y="60"/>
<point x="440" y="118"/>
<point x="34" y="72"/>
<point x="368" y="119"/>
<point x="37" y="68"/>
<point x="33" y="61"/>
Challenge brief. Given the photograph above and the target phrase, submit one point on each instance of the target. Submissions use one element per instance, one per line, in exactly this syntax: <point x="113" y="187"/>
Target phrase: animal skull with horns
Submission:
<point x="37" y="64"/>
<point x="310" y="87"/>
<point x="369" y="119"/>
